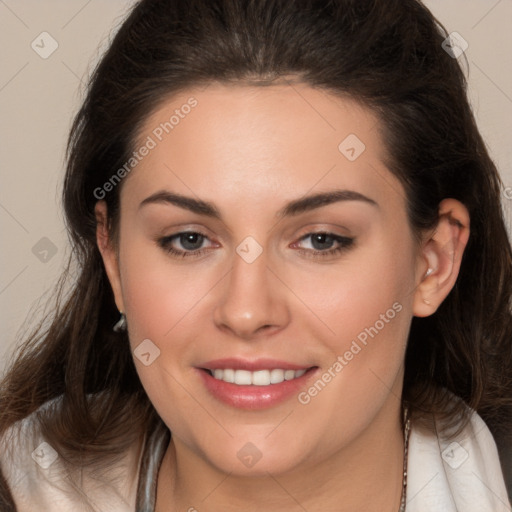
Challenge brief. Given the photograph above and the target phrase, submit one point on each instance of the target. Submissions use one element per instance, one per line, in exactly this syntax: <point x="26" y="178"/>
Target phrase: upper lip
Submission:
<point x="251" y="365"/>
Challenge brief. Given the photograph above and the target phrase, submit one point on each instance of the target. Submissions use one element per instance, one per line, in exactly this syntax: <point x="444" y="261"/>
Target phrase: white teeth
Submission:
<point x="289" y="375"/>
<point x="257" y="378"/>
<point x="243" y="377"/>
<point x="229" y="375"/>
<point x="261" y="378"/>
<point x="276" y="376"/>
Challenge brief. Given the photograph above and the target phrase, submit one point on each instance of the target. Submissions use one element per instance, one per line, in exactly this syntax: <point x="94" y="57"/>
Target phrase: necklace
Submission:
<point x="407" y="428"/>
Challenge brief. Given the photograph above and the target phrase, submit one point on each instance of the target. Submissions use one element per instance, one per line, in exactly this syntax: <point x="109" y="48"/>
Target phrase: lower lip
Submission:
<point x="254" y="397"/>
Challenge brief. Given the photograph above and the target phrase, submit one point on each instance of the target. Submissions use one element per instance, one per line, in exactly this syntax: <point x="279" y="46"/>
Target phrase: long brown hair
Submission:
<point x="387" y="54"/>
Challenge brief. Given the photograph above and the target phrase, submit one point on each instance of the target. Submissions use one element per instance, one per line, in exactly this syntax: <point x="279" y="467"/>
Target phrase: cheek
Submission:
<point x="353" y="293"/>
<point x="163" y="302"/>
<point x="158" y="293"/>
<point x="365" y="308"/>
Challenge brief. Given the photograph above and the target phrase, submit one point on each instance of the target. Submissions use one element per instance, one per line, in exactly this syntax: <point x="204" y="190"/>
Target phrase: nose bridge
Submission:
<point x="252" y="299"/>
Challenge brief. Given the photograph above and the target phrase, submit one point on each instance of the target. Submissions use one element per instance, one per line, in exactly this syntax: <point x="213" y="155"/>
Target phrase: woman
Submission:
<point x="294" y="279"/>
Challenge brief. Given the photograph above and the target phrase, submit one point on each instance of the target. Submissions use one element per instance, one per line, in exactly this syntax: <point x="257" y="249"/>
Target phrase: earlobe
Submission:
<point x="441" y="257"/>
<point x="108" y="253"/>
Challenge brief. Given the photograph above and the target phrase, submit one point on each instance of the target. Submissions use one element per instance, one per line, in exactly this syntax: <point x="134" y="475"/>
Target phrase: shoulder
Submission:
<point x="453" y="473"/>
<point x="39" y="478"/>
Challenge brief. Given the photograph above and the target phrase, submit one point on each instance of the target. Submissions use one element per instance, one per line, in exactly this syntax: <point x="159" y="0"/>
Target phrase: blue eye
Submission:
<point x="192" y="244"/>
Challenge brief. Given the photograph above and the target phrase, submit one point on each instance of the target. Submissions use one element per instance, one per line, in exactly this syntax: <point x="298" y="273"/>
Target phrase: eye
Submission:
<point x="190" y="244"/>
<point x="322" y="244"/>
<point x="190" y="241"/>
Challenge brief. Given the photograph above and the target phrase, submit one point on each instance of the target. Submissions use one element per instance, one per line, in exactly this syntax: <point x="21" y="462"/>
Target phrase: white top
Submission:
<point x="462" y="474"/>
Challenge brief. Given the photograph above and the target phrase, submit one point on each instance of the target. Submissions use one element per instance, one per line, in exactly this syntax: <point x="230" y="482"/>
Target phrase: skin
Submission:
<point x="249" y="150"/>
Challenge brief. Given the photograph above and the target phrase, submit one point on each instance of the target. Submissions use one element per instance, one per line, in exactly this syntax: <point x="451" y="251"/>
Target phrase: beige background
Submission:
<point x="38" y="98"/>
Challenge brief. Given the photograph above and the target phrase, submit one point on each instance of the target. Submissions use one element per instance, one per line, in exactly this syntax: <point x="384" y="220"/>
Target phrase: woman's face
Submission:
<point x="251" y="290"/>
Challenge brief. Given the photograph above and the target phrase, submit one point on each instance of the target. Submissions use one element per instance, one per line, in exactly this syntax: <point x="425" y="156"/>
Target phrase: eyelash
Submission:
<point x="344" y="244"/>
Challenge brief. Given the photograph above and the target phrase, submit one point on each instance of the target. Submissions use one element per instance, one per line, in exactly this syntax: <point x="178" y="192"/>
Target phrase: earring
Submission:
<point x="427" y="273"/>
<point x="121" y="324"/>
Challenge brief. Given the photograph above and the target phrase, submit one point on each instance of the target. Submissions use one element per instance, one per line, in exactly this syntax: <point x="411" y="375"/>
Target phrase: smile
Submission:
<point x="256" y="378"/>
<point x="254" y="384"/>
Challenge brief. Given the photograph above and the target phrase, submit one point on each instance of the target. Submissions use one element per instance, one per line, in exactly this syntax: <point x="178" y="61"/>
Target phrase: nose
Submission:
<point x="253" y="300"/>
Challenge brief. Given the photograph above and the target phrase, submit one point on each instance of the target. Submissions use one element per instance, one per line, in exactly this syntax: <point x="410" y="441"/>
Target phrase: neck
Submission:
<point x="366" y="475"/>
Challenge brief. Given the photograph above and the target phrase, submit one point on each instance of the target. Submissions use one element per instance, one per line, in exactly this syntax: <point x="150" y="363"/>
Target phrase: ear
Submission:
<point x="440" y="258"/>
<point x="108" y="253"/>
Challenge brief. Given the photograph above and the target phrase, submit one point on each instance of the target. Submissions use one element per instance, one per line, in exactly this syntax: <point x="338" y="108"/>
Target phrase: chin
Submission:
<point x="242" y="456"/>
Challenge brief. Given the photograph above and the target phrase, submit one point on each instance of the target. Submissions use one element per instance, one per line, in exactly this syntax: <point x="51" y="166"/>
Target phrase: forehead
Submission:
<point x="241" y="117"/>
<point x="261" y="142"/>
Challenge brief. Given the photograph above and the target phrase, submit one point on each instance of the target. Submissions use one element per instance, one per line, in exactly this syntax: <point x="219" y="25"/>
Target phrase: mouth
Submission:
<point x="254" y="385"/>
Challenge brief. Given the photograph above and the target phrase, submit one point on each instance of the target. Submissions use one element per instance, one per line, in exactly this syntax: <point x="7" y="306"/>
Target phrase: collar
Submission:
<point x="454" y="473"/>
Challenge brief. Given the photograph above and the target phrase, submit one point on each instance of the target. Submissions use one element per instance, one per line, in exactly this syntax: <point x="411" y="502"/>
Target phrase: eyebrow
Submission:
<point x="295" y="207"/>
